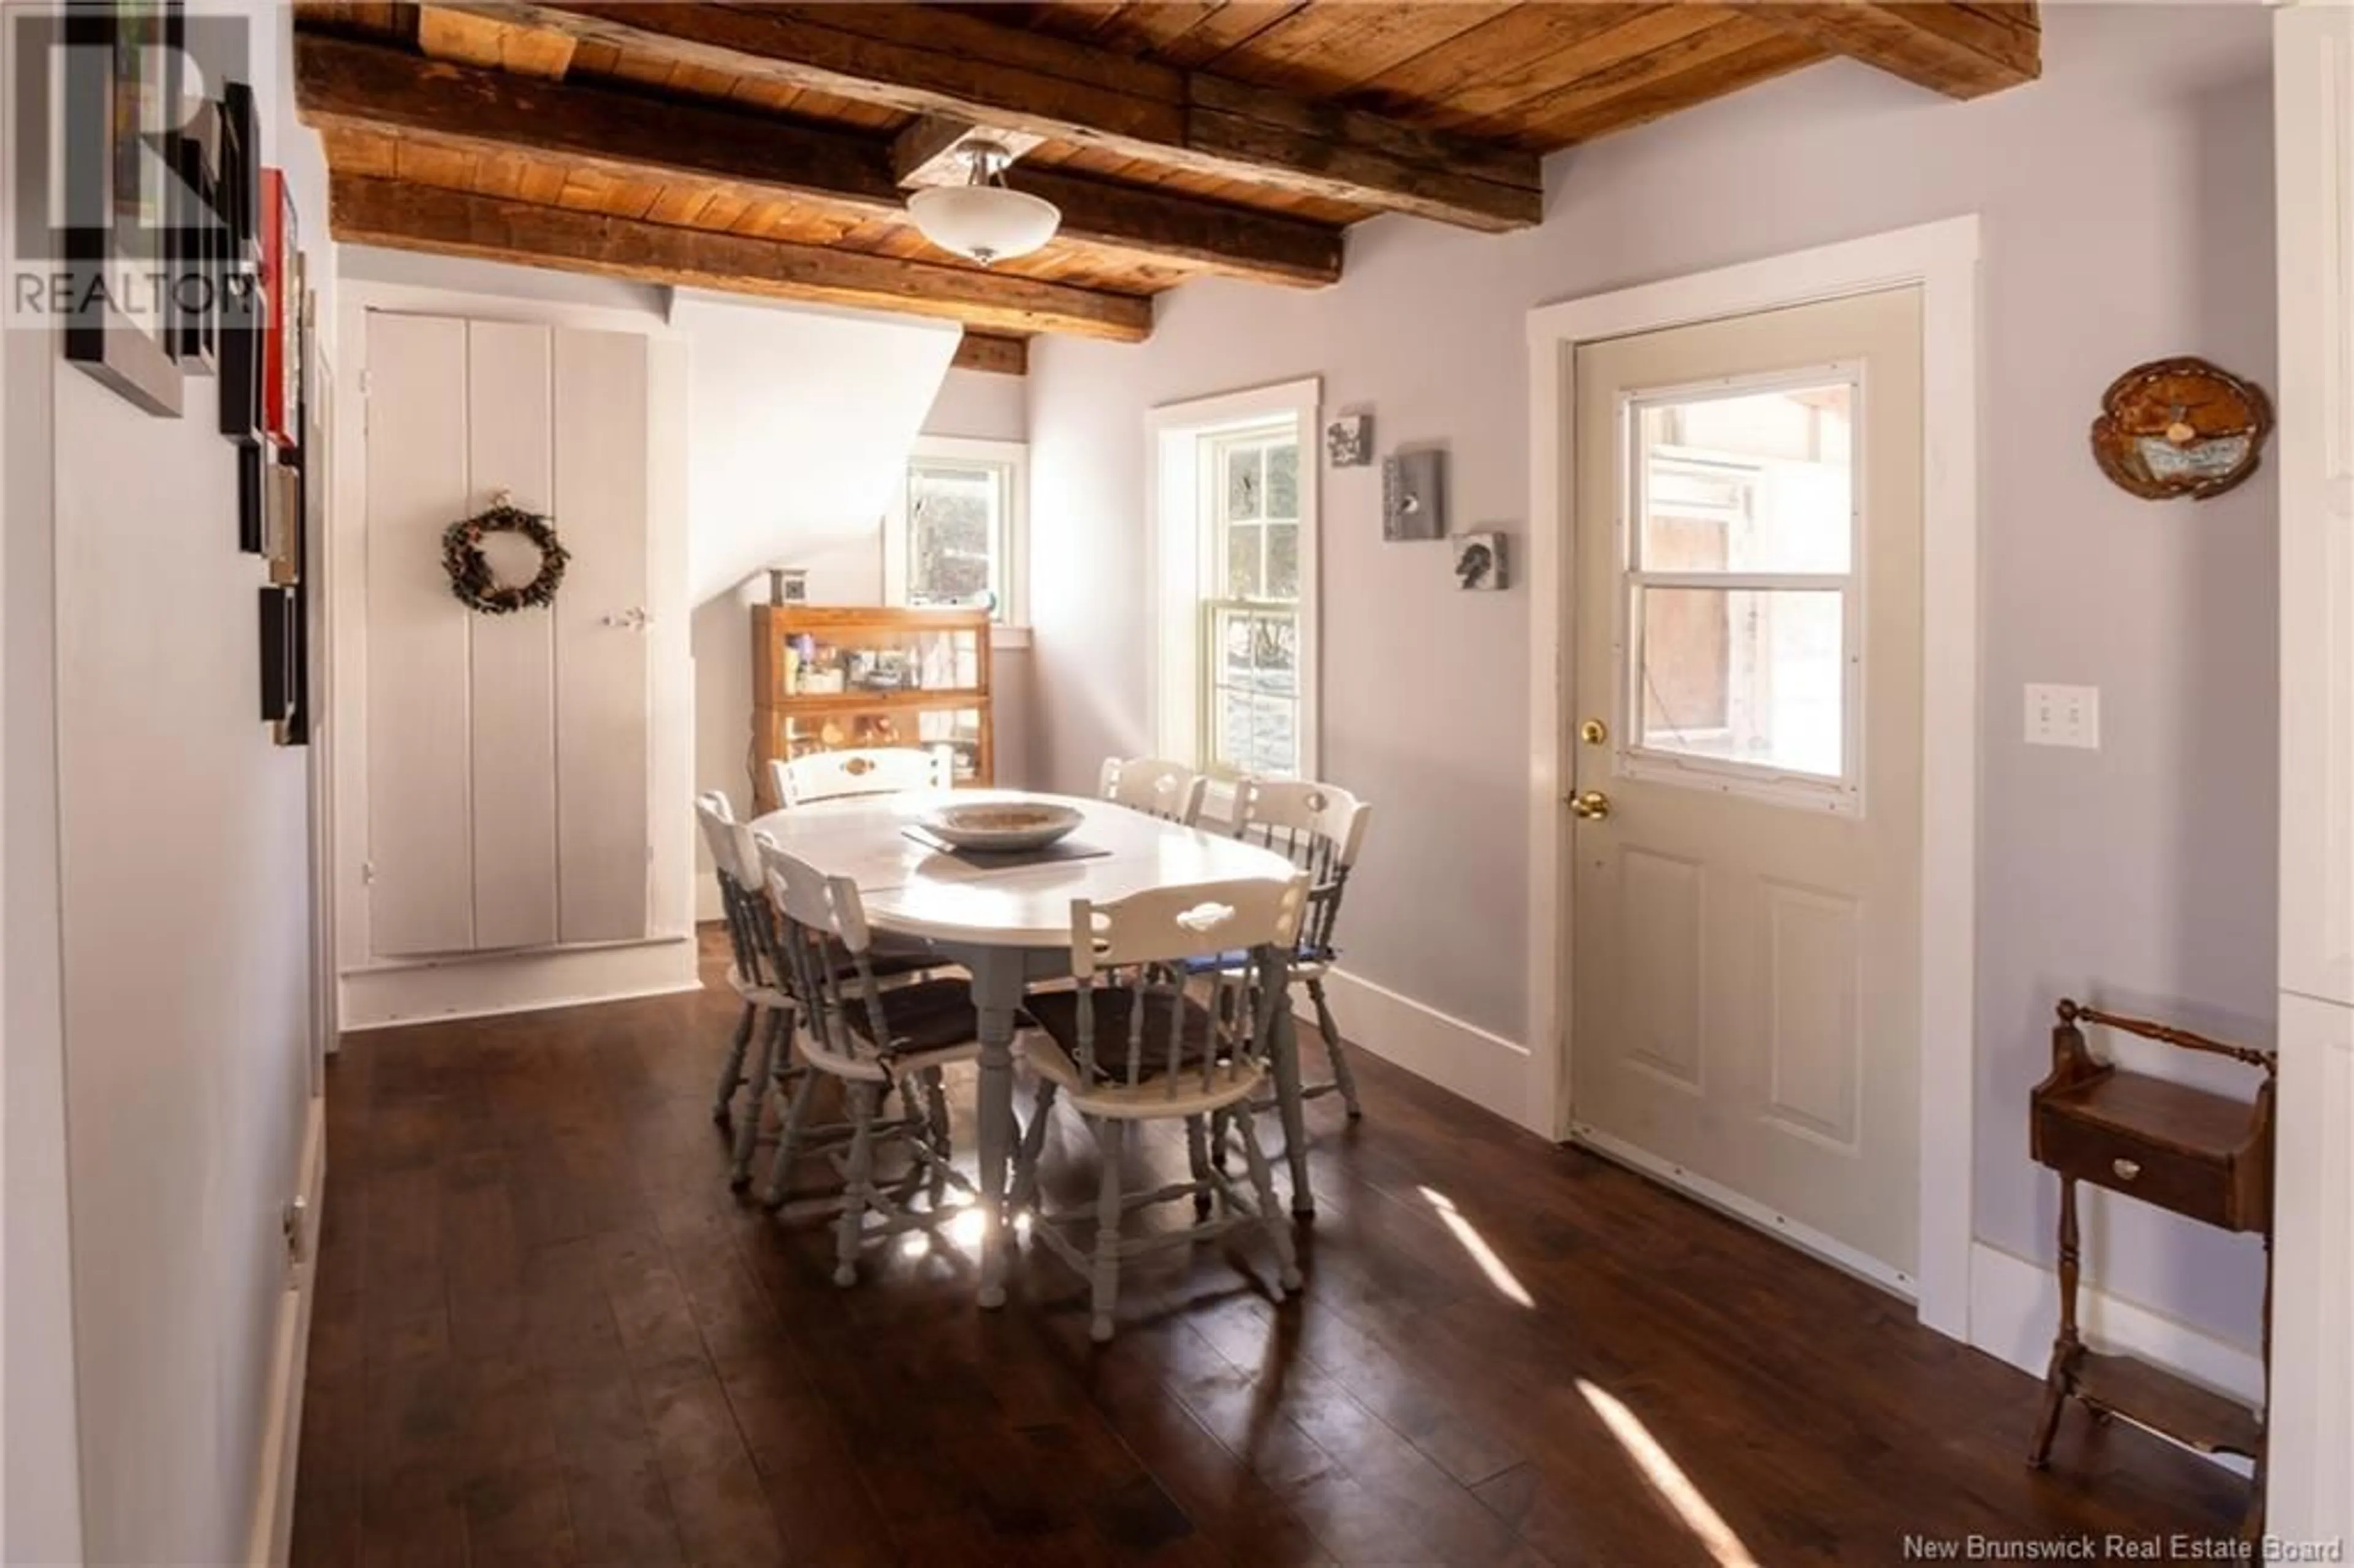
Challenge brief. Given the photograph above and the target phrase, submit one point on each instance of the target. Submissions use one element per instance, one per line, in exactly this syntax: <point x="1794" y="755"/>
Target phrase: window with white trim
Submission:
<point x="955" y="533"/>
<point x="1235" y="514"/>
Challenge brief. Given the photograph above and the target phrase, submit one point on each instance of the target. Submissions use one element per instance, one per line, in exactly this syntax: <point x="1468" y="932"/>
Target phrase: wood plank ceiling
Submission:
<point x="764" y="148"/>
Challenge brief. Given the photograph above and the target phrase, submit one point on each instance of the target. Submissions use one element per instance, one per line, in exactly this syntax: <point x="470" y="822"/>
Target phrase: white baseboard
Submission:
<point x="1750" y="1211"/>
<point x="2015" y="1310"/>
<point x="1487" y="1069"/>
<point x="516" y="982"/>
<point x="272" y="1532"/>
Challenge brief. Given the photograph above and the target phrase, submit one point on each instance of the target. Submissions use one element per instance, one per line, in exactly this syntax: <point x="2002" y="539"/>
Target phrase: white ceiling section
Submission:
<point x="801" y="422"/>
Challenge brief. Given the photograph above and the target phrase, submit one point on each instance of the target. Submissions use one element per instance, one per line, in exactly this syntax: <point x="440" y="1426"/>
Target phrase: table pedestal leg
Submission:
<point x="1288" y="1107"/>
<point x="997" y="992"/>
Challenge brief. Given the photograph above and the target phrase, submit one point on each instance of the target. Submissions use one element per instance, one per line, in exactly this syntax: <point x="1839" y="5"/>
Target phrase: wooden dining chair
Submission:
<point x="1170" y="791"/>
<point x="867" y="770"/>
<point x="1130" y="1041"/>
<point x="874" y="1039"/>
<point x="751" y="974"/>
<point x="1319" y="828"/>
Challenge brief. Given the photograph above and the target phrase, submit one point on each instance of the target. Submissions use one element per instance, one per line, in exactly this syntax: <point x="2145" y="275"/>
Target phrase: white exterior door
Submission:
<point x="1747" y="792"/>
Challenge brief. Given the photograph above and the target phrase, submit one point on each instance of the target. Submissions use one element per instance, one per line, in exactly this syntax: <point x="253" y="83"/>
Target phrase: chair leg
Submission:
<point x="1270" y="1217"/>
<point x="1197" y="1159"/>
<point x="1027" y="1154"/>
<point x="1334" y="1049"/>
<point x="858" y="1186"/>
<point x="935" y="1114"/>
<point x="789" y="1139"/>
<point x="747" y="1130"/>
<point x="731" y="1073"/>
<point x="1111" y="1142"/>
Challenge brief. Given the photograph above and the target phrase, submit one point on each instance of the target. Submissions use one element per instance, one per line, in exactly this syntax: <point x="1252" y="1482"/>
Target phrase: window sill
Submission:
<point x="1003" y="638"/>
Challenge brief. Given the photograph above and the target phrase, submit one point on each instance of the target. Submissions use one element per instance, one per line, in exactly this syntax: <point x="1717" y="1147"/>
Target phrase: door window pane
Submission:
<point x="1754" y="676"/>
<point x="1760" y="483"/>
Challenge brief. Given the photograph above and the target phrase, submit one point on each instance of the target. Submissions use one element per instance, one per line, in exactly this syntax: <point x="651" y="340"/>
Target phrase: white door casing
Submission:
<point x="1748" y="648"/>
<point x="2310" y="1470"/>
<point x="1943" y="259"/>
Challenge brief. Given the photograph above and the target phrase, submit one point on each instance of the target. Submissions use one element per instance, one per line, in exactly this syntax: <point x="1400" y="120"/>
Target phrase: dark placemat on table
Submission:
<point x="1006" y="860"/>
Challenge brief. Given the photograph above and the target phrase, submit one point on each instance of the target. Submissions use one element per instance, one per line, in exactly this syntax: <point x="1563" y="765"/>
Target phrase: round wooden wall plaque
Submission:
<point x="2181" y="426"/>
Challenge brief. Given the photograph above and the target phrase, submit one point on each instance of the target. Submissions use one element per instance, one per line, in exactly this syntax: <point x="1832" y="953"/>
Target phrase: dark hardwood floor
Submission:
<point x="547" y="1332"/>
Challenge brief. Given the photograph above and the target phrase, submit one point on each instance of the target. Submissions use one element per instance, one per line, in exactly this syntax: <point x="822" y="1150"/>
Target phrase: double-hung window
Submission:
<point x="1234" y="634"/>
<point x="955" y="534"/>
<point x="1251" y="694"/>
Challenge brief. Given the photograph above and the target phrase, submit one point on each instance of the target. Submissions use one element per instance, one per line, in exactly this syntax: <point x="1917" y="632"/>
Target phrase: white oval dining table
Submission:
<point x="1009" y="925"/>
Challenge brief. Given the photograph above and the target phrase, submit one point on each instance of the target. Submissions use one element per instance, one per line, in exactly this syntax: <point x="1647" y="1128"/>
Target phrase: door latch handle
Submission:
<point x="1591" y="805"/>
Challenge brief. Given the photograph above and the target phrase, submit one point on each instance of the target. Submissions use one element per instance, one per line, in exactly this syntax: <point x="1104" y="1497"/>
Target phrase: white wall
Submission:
<point x="981" y="406"/>
<point x="41" y="1482"/>
<point x="2127" y="214"/>
<point x="801" y="423"/>
<point x="179" y="954"/>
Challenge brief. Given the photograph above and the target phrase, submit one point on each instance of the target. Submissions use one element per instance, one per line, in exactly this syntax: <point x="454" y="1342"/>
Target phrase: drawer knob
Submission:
<point x="2127" y="1170"/>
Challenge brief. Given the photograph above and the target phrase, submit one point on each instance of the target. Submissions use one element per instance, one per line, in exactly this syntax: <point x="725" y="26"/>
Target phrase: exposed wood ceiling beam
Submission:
<point x="998" y="356"/>
<point x="927" y="60"/>
<point x="1963" y="50"/>
<point x="479" y="40"/>
<point x="929" y="152"/>
<point x="363" y="210"/>
<point x="342" y="84"/>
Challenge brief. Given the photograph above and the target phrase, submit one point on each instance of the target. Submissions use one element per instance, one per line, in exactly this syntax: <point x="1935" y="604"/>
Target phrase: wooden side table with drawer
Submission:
<point x="2199" y="1154"/>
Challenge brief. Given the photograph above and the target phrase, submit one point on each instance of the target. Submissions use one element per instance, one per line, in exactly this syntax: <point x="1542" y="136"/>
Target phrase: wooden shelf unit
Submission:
<point x="883" y="677"/>
<point x="2197" y="1154"/>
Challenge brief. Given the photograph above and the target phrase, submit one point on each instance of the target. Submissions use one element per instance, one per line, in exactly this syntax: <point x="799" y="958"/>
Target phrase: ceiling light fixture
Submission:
<point x="982" y="218"/>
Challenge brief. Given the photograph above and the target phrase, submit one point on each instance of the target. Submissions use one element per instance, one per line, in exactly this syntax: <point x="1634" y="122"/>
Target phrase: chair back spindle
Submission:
<point x="1319" y="828"/>
<point x="822" y="922"/>
<point x="1138" y="946"/>
<point x="741" y="902"/>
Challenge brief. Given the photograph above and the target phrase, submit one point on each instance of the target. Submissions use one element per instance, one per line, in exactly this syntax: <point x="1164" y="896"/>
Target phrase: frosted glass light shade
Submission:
<point x="986" y="223"/>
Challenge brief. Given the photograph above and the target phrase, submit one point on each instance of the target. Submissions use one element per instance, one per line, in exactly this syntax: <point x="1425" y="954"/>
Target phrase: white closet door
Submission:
<point x="603" y="709"/>
<point x="419" y="786"/>
<point x="510" y="439"/>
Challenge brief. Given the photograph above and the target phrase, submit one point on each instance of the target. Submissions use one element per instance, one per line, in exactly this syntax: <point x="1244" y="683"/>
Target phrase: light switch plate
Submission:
<point x="2063" y="716"/>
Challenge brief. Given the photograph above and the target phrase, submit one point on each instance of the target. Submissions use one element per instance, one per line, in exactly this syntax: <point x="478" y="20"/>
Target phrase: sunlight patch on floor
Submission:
<point x="1668" y="1481"/>
<point x="1508" y="1283"/>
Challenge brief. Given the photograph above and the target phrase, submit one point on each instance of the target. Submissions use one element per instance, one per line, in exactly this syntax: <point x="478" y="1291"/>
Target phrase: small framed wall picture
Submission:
<point x="1349" y="440"/>
<point x="1414" y="495"/>
<point x="1479" y="562"/>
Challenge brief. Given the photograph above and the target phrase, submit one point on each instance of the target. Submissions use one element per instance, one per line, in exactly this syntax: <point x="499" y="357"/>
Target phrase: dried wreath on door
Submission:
<point x="471" y="576"/>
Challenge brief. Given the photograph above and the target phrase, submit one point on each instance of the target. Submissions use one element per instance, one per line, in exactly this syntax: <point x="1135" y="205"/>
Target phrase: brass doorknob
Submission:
<point x="1591" y="804"/>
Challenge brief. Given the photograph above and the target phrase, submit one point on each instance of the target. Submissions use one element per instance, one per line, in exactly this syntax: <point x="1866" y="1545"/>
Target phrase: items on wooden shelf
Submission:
<point x="831" y="677"/>
<point x="2195" y="1153"/>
